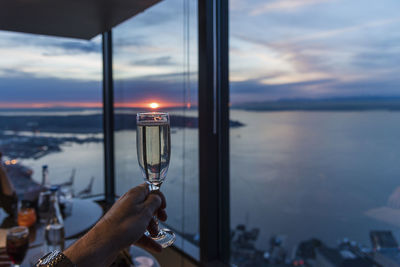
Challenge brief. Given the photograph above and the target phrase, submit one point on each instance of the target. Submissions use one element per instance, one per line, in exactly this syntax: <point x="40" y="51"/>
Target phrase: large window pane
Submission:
<point x="315" y="168"/>
<point x="155" y="61"/>
<point x="50" y="110"/>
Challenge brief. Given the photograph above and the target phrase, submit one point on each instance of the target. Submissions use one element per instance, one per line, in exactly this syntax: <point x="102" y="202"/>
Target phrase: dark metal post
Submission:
<point x="214" y="132"/>
<point x="108" y="118"/>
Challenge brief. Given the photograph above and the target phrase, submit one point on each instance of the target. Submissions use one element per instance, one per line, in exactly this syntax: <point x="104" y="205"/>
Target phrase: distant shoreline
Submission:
<point x="355" y="103"/>
<point x="333" y="104"/>
<point x="85" y="124"/>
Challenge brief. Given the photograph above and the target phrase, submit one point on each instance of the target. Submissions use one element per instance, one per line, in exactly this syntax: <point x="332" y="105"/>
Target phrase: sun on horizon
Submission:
<point x="154" y="105"/>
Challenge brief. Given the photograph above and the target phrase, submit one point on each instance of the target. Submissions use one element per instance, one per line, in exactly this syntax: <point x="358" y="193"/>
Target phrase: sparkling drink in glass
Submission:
<point x="154" y="151"/>
<point x="17" y="244"/>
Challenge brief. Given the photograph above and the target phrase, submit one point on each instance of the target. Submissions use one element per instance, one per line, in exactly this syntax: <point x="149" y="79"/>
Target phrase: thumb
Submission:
<point x="153" y="203"/>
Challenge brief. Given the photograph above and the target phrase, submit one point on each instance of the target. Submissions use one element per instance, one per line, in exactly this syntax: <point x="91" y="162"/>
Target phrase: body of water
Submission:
<point x="327" y="175"/>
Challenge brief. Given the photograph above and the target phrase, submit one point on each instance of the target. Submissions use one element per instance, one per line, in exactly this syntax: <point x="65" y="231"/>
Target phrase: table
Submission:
<point x="85" y="213"/>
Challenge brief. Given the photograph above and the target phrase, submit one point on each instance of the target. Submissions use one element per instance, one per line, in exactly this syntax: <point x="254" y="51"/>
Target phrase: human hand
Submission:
<point x="124" y="224"/>
<point x="133" y="213"/>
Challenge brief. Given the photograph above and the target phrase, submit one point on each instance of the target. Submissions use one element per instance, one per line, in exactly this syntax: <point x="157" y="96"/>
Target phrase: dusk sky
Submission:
<point x="279" y="49"/>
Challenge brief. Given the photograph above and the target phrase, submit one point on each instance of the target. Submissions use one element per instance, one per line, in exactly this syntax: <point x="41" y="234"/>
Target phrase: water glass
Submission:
<point x="17" y="244"/>
<point x="66" y="199"/>
<point x="44" y="204"/>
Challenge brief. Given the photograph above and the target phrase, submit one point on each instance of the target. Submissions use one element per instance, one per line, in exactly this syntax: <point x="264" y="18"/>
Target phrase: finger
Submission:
<point x="139" y="193"/>
<point x="153" y="228"/>
<point x="162" y="215"/>
<point x="148" y="243"/>
<point x="152" y="203"/>
<point x="163" y="200"/>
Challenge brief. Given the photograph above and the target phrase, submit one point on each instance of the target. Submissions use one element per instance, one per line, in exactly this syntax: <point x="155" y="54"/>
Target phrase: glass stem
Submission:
<point x="152" y="188"/>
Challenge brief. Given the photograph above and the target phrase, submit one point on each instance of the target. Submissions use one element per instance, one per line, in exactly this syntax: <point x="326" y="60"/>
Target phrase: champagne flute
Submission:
<point x="154" y="151"/>
<point x="17" y="244"/>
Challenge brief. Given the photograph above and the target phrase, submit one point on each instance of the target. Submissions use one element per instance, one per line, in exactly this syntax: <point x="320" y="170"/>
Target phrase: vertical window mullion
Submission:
<point x="214" y="132"/>
<point x="108" y="118"/>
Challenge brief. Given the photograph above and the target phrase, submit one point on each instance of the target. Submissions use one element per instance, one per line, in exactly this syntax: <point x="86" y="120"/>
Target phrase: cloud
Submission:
<point x="73" y="47"/>
<point x="380" y="87"/>
<point x="156" y="17"/>
<point x="13" y="73"/>
<point x="55" y="44"/>
<point x="120" y="41"/>
<point x="325" y="34"/>
<point x="250" y="90"/>
<point x="377" y="59"/>
<point x="285" y="5"/>
<point x="311" y="57"/>
<point x="166" y="88"/>
<point x="21" y="88"/>
<point x="165" y="60"/>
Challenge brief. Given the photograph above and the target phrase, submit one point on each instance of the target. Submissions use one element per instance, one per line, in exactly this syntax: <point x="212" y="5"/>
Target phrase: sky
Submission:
<point x="279" y="49"/>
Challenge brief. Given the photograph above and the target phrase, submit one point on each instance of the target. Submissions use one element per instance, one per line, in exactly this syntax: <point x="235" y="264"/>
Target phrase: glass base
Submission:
<point x="165" y="237"/>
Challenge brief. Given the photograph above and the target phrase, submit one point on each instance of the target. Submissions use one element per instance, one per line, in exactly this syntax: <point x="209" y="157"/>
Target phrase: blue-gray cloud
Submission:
<point x="120" y="41"/>
<point x="251" y="90"/>
<point x="26" y="89"/>
<point x="159" y="61"/>
<point x="169" y="87"/>
<point x="377" y="59"/>
<point x="82" y="47"/>
<point x="53" y="45"/>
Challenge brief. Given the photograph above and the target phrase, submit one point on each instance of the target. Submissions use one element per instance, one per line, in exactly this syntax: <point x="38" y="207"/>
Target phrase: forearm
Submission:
<point x="96" y="248"/>
<point x="123" y="225"/>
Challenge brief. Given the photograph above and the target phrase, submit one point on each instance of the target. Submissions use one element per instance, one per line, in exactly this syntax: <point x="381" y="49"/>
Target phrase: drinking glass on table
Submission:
<point x="154" y="151"/>
<point x="26" y="214"/>
<point x="66" y="199"/>
<point x="17" y="244"/>
<point x="44" y="206"/>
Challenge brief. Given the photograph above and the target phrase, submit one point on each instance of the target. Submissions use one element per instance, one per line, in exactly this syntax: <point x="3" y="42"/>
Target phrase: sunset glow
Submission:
<point x="154" y="105"/>
<point x="141" y="104"/>
<point x="147" y="104"/>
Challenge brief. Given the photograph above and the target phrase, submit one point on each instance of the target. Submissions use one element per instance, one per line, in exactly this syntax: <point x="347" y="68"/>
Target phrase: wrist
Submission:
<point x="96" y="248"/>
<point x="55" y="258"/>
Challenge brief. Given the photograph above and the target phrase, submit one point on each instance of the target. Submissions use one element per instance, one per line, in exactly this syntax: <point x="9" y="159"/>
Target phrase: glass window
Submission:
<point x="314" y="168"/>
<point x="50" y="110"/>
<point x="155" y="68"/>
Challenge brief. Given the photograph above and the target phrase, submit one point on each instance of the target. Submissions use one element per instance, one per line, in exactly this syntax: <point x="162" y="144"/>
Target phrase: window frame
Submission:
<point x="213" y="93"/>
